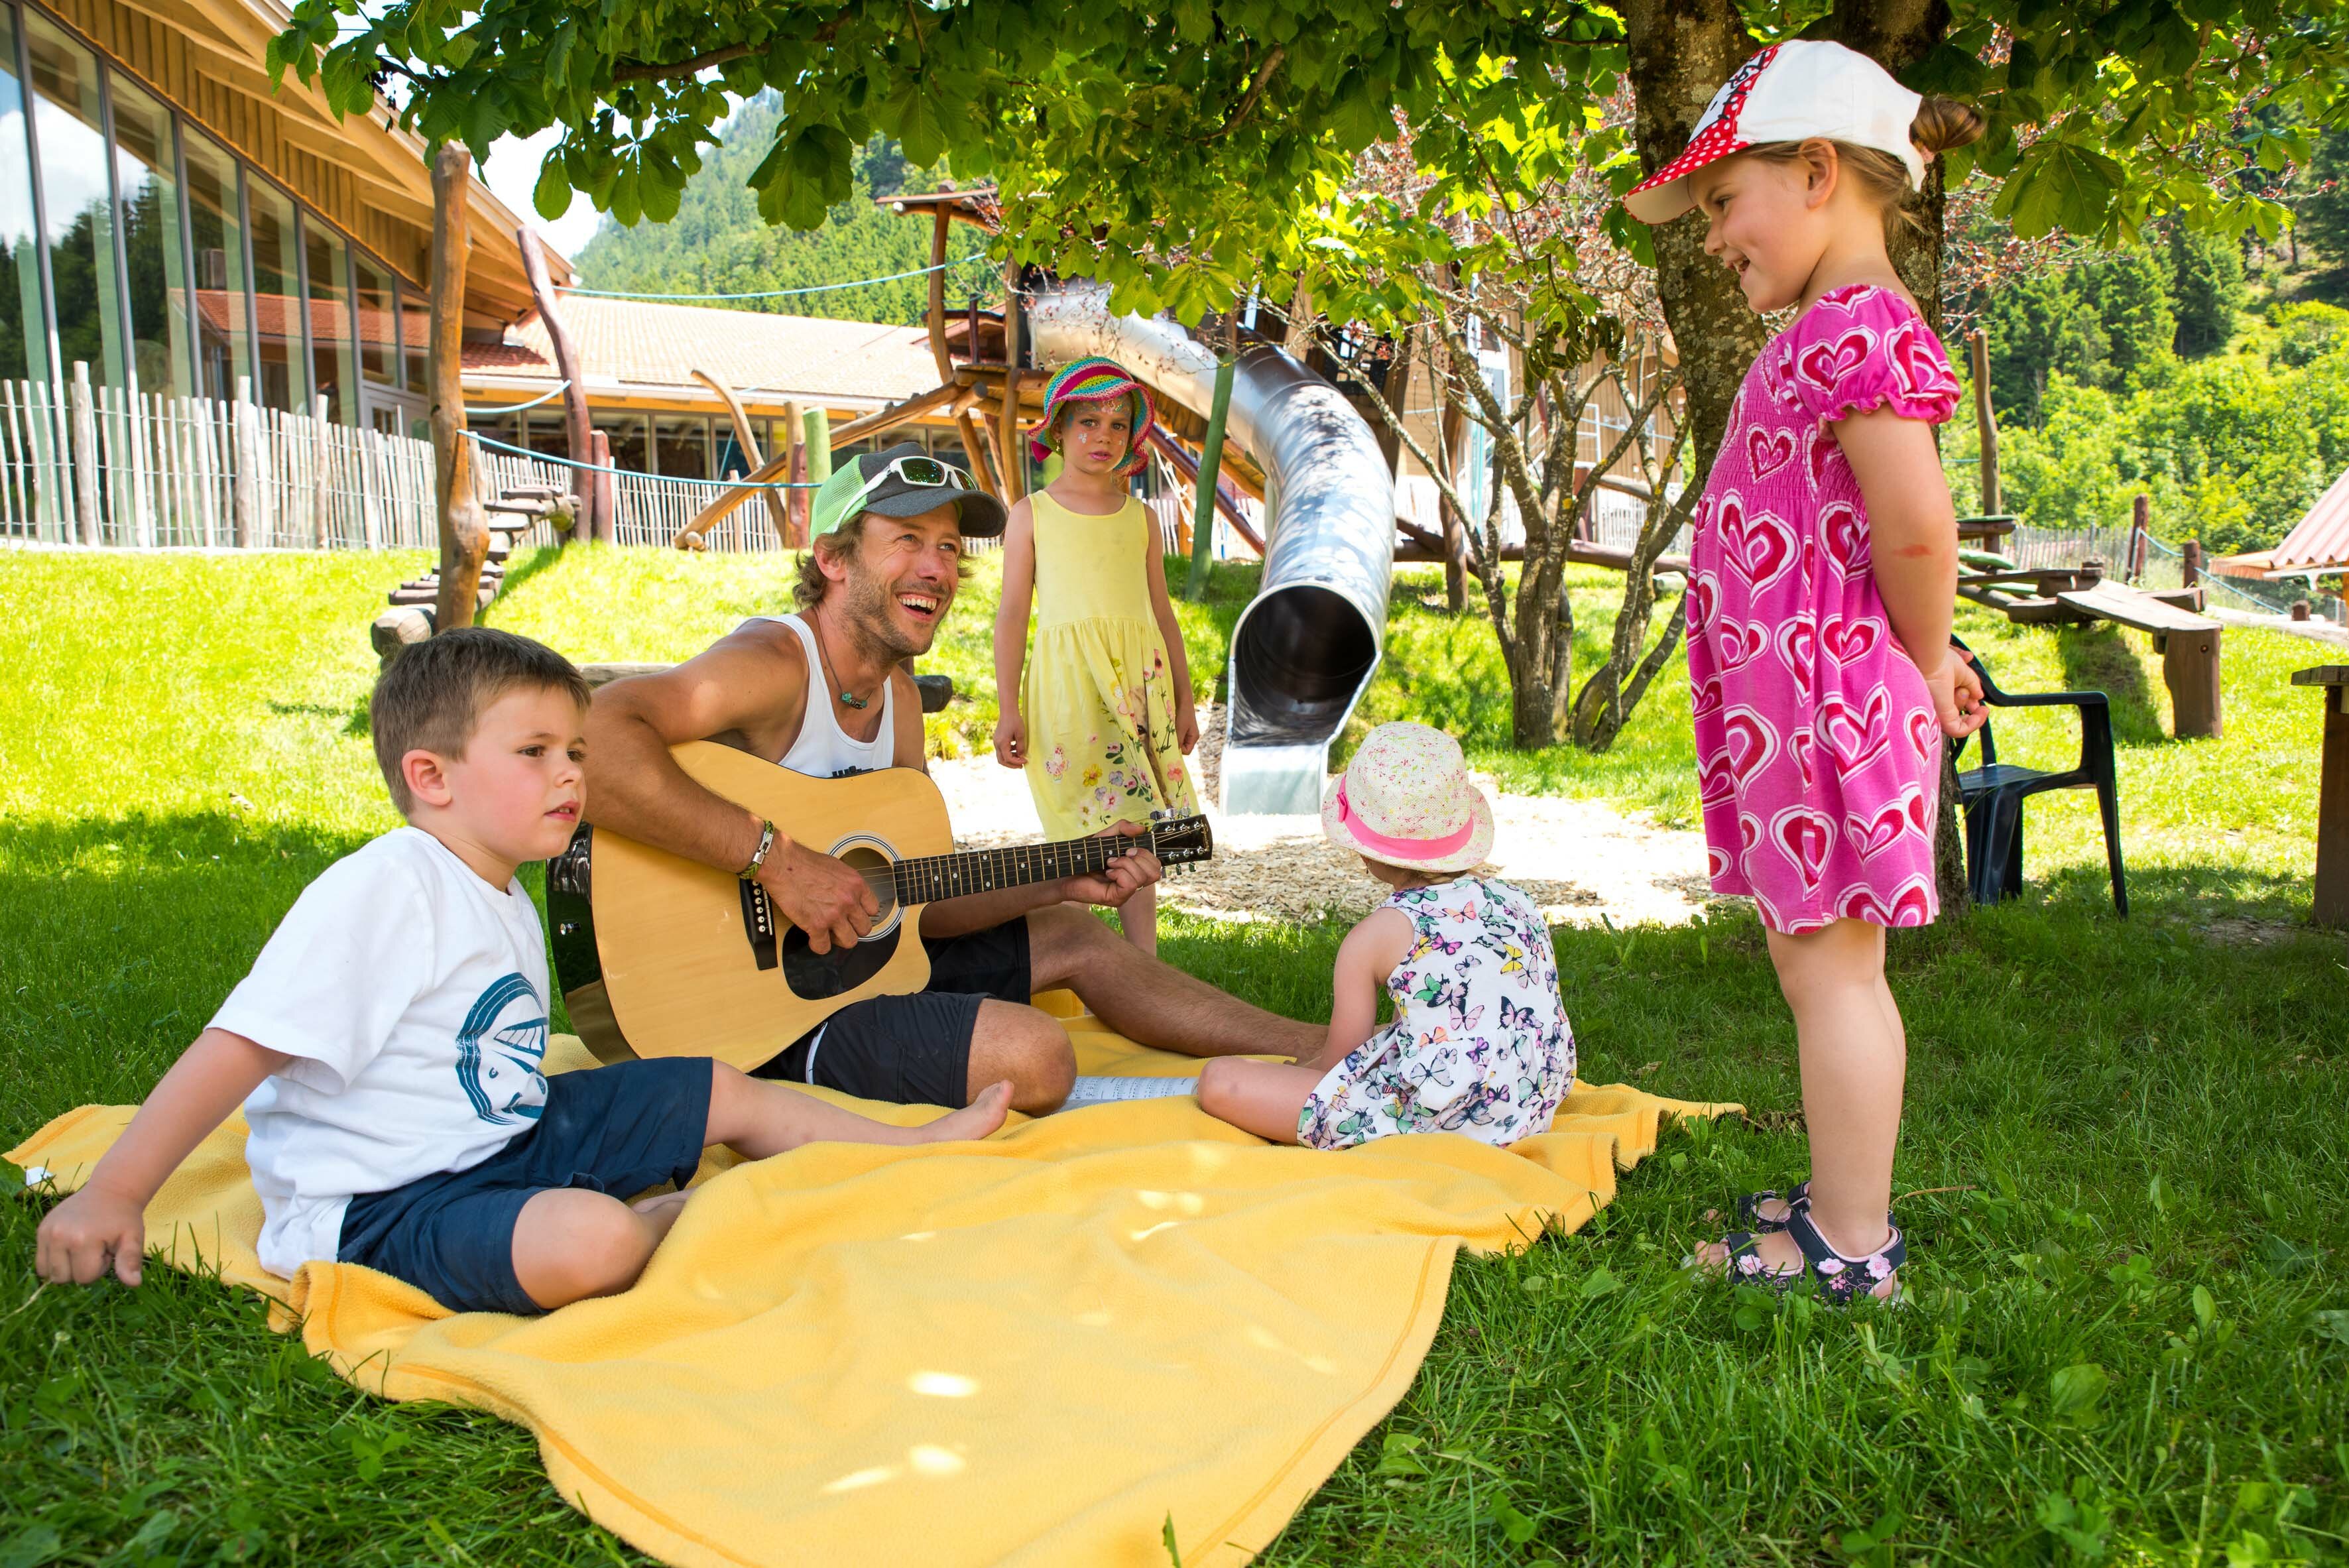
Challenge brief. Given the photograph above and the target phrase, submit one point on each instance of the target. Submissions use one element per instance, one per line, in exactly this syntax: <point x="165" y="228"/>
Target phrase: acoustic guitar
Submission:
<point x="687" y="960"/>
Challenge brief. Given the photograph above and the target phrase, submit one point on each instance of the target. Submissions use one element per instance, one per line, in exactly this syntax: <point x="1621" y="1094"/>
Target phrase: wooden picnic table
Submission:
<point x="1986" y="530"/>
<point x="2187" y="642"/>
<point x="2333" y="797"/>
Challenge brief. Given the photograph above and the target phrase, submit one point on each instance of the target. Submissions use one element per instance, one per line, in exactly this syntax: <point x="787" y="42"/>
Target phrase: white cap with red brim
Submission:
<point x="1789" y="92"/>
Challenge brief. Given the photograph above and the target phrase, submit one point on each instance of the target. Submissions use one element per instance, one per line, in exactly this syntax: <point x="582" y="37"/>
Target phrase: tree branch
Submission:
<point x="1249" y="99"/>
<point x="644" y="71"/>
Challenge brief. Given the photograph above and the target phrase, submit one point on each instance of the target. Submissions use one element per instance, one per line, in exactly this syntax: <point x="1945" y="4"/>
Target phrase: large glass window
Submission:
<point x="77" y="202"/>
<point x="277" y="298"/>
<point x="334" y="363"/>
<point x="23" y="334"/>
<point x="548" y="430"/>
<point x="377" y="321"/>
<point x="416" y="339"/>
<point x="144" y="174"/>
<point x="681" y="445"/>
<point x="216" y="231"/>
<point x="631" y="445"/>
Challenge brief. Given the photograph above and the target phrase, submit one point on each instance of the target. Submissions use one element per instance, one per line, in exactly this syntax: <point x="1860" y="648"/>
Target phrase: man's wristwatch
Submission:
<point x="759" y="856"/>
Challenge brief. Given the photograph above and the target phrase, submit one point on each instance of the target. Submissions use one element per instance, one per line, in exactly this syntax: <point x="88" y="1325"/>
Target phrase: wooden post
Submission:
<point x="240" y="443"/>
<point x="1211" y="463"/>
<point x="2140" y="534"/>
<point x="1986" y="423"/>
<point x="794" y="456"/>
<point x="464" y="529"/>
<point x="937" y="311"/>
<point x="85" y="459"/>
<point x="1014" y="471"/>
<point x="592" y="525"/>
<point x="2332" y="906"/>
<point x="981" y="452"/>
<point x="2189" y="570"/>
<point x="603" y="486"/>
<point x="2189" y="668"/>
<point x="321" y="461"/>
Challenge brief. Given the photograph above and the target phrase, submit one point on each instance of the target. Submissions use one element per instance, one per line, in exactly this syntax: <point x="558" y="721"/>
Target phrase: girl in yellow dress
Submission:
<point x="1104" y="716"/>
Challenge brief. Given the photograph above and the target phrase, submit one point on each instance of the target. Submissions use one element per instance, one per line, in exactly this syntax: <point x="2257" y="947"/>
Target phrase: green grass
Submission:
<point x="2127" y="1339"/>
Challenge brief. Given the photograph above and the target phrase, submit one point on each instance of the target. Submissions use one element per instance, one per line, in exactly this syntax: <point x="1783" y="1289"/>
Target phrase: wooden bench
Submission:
<point x="2332" y="906"/>
<point x="2187" y="642"/>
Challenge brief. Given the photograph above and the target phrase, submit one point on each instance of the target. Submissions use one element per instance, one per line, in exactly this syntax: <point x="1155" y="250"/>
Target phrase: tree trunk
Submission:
<point x="1681" y="51"/>
<point x="465" y="532"/>
<point x="592" y="525"/>
<point x="1452" y="429"/>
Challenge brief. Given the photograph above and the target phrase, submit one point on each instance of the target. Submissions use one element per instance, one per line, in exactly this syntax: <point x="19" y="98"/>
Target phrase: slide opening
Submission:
<point x="1301" y="655"/>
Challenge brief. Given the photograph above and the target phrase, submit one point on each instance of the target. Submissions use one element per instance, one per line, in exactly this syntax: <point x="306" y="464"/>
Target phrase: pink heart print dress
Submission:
<point x="1818" y="754"/>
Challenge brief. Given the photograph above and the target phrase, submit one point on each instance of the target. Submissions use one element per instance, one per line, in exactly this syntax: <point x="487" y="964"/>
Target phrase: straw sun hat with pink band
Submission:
<point x="1093" y="379"/>
<point x="1406" y="800"/>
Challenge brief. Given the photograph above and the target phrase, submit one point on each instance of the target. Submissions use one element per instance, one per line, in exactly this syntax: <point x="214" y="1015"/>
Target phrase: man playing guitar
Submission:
<point x="821" y="692"/>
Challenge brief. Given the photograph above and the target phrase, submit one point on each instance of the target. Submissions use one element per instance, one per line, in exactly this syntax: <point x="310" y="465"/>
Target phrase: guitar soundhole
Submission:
<point x="813" y="975"/>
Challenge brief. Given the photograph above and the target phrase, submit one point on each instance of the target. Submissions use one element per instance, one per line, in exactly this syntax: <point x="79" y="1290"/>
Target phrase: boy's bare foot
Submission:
<point x="982" y="1115"/>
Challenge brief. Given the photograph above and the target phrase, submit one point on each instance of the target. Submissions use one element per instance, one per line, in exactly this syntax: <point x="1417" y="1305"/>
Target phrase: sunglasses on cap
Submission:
<point x="922" y="472"/>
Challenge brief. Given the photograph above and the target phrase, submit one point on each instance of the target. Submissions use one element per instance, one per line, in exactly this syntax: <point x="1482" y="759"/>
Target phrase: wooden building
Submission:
<point x="171" y="221"/>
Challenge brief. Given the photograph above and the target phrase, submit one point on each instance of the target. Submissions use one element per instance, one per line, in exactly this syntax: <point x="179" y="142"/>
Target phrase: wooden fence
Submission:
<point x="98" y="465"/>
<point x="88" y="465"/>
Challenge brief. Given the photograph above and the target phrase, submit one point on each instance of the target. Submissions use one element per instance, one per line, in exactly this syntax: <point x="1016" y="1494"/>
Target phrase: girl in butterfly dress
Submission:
<point x="1480" y="1042"/>
<point x="1823" y="572"/>
<point x="1102" y="716"/>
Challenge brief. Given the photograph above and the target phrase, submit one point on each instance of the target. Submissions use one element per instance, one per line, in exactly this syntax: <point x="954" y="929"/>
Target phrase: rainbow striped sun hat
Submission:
<point x="1091" y="380"/>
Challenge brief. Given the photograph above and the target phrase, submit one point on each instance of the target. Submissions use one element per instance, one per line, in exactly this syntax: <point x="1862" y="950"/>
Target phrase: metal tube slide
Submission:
<point x="1309" y="643"/>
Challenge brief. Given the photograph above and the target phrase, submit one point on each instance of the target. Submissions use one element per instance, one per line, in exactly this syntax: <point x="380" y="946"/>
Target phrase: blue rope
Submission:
<point x="516" y="407"/>
<point x="632" y="473"/>
<point x="776" y="293"/>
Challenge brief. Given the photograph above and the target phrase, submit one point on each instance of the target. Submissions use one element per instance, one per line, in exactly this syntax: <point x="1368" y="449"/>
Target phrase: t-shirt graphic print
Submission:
<point x="412" y="997"/>
<point x="499" y="1066"/>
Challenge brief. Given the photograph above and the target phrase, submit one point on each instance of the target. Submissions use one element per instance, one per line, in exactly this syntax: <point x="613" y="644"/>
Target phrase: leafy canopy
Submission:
<point x="1185" y="151"/>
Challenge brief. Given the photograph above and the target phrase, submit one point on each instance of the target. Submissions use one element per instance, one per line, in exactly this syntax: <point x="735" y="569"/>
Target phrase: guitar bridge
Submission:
<point x="758" y="924"/>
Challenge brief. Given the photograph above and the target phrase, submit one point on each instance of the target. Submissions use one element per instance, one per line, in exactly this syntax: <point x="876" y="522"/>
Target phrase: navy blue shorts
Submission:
<point x="619" y="1129"/>
<point x="915" y="1050"/>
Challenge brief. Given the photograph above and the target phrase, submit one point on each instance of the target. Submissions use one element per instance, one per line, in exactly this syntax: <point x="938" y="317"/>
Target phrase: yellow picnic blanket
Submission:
<point x="1032" y="1350"/>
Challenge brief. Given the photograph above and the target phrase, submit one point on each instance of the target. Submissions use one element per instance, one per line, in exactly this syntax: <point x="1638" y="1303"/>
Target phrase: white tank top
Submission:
<point x="823" y="749"/>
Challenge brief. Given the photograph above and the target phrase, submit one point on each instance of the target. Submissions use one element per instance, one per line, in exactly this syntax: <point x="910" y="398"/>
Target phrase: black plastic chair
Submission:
<point x="1993" y="794"/>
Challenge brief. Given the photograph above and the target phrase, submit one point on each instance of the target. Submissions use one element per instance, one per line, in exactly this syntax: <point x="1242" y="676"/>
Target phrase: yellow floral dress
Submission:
<point x="1099" y="694"/>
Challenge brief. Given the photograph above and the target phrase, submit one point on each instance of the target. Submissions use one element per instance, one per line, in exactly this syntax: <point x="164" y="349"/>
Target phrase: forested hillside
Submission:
<point x="2212" y="375"/>
<point x="719" y="244"/>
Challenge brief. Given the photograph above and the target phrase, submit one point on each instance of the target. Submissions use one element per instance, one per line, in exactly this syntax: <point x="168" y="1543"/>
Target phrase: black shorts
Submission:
<point x="915" y="1050"/>
<point x="619" y="1129"/>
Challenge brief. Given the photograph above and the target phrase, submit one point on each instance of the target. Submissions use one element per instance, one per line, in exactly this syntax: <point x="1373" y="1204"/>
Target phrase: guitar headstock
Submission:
<point x="1181" y="841"/>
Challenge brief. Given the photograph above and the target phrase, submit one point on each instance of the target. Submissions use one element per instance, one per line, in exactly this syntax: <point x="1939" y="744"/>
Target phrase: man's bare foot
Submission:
<point x="982" y="1115"/>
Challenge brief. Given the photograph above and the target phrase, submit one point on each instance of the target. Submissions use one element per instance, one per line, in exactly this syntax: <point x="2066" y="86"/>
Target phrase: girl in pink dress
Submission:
<point x="1823" y="573"/>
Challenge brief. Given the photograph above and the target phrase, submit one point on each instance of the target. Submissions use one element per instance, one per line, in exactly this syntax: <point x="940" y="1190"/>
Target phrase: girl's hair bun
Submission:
<point x="1944" y="123"/>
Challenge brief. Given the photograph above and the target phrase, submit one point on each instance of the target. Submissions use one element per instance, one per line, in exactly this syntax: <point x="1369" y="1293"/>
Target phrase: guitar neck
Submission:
<point x="935" y="877"/>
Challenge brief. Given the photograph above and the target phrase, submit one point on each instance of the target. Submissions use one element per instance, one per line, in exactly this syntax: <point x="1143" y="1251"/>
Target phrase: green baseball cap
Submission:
<point x="903" y="482"/>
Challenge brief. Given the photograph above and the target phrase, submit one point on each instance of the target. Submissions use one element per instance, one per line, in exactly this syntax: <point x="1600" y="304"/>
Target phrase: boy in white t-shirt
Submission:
<point x="387" y="1045"/>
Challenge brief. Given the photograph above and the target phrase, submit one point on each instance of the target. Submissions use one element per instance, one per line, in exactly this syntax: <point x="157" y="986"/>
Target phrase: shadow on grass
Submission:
<point x="2102" y="660"/>
<point x="521" y="567"/>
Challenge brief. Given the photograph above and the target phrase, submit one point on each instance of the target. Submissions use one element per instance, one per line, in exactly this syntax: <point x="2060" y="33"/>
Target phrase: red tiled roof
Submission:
<point x="274" y="317"/>
<point x="650" y="343"/>
<point x="2319" y="541"/>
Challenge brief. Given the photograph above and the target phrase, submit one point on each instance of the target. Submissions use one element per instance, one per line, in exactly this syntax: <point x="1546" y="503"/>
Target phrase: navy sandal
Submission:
<point x="1744" y="1265"/>
<point x="1796" y="1198"/>
<point x="1842" y="1280"/>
